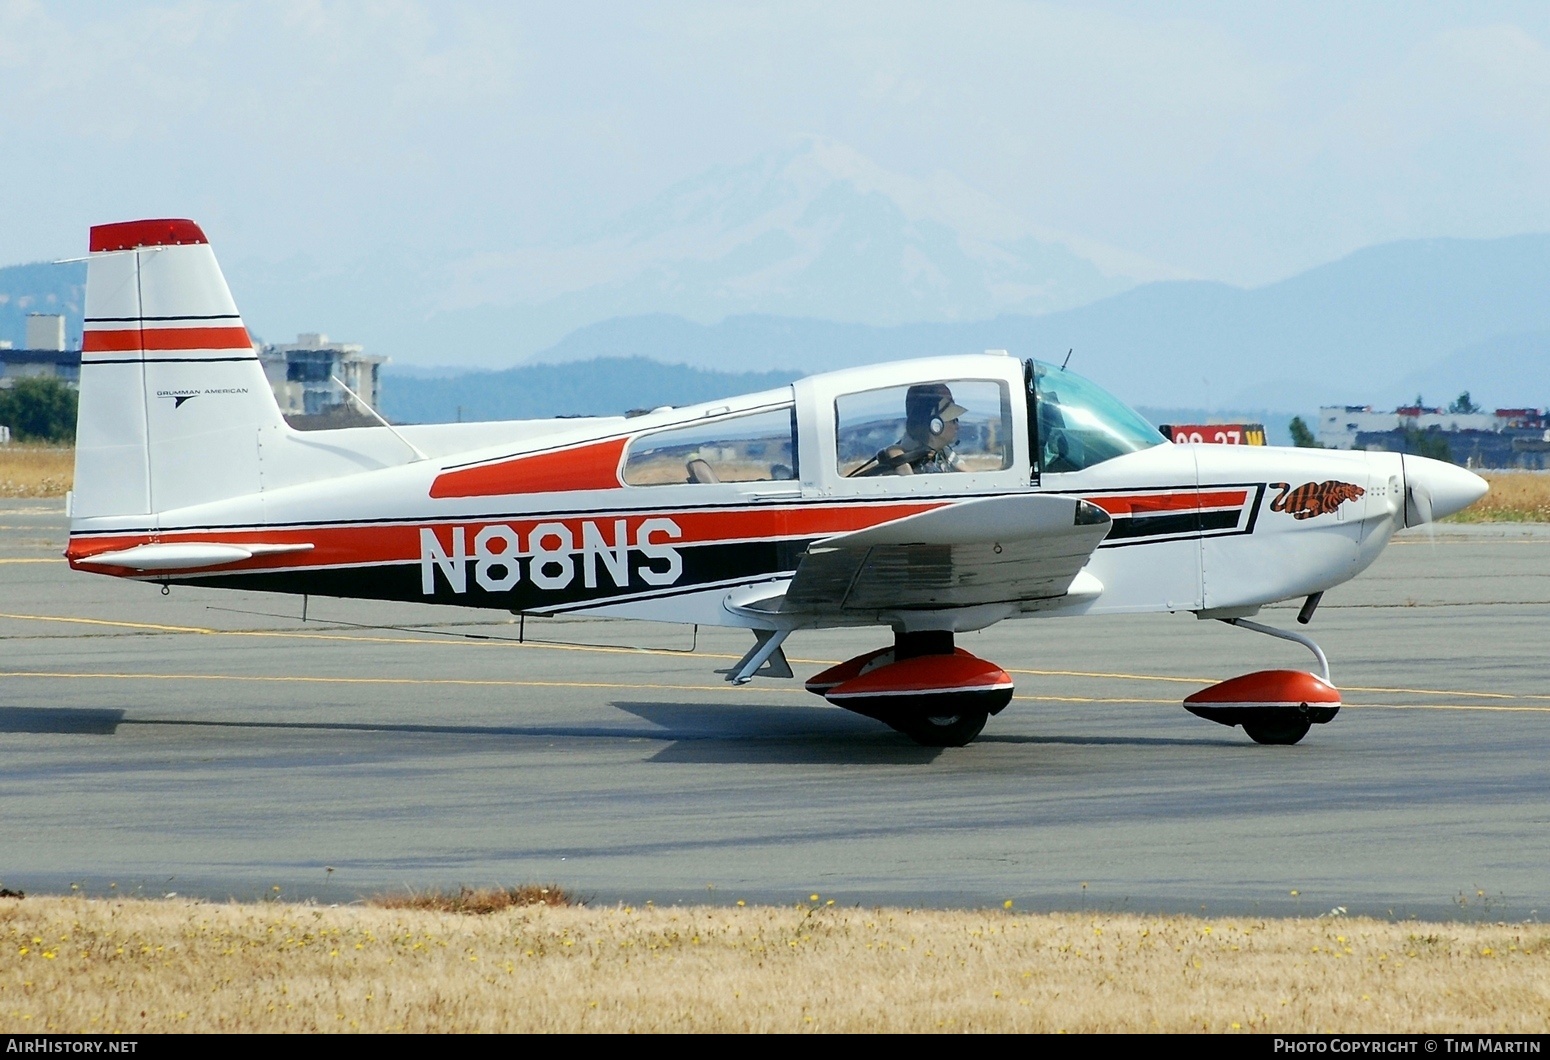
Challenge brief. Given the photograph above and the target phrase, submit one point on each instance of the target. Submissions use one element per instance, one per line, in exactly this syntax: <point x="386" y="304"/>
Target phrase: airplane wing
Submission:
<point x="1012" y="549"/>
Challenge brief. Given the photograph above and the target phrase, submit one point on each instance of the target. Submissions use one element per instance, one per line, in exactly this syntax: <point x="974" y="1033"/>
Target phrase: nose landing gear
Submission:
<point x="1273" y="706"/>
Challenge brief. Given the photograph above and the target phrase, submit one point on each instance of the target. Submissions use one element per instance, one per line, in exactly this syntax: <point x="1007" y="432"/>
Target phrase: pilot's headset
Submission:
<point x="924" y="406"/>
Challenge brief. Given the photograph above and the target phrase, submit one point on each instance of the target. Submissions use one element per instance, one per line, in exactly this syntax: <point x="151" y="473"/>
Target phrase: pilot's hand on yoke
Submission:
<point x="896" y="460"/>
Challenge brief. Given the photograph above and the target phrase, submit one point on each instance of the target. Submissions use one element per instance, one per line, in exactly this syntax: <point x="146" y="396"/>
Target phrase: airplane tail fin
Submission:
<point x="174" y="404"/>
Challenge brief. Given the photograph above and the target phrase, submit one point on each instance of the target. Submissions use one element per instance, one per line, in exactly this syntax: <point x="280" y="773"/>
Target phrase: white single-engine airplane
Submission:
<point x="932" y="496"/>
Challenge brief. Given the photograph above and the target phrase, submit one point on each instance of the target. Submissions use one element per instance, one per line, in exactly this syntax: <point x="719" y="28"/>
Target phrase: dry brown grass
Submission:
<point x="36" y="470"/>
<point x="1520" y="497"/>
<point x="126" y="966"/>
<point x="475" y="901"/>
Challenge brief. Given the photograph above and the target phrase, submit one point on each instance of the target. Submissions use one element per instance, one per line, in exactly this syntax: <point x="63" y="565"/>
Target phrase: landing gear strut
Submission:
<point x="933" y="692"/>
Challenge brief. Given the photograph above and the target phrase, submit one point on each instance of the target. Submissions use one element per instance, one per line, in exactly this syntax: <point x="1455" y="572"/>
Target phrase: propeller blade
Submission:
<point x="1435" y="489"/>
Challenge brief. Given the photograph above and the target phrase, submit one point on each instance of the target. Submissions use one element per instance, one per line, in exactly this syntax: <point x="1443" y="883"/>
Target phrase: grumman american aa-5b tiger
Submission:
<point x="932" y="497"/>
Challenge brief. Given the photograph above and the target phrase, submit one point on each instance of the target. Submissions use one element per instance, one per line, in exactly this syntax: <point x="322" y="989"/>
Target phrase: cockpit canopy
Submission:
<point x="1080" y="424"/>
<point x="960" y="414"/>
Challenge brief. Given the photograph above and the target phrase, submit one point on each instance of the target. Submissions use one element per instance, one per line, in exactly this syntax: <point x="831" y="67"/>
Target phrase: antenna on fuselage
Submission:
<point x="1067" y="360"/>
<point x="378" y="417"/>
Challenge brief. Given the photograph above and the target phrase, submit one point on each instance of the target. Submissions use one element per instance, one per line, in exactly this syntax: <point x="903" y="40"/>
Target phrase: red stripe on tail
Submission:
<point x="154" y="339"/>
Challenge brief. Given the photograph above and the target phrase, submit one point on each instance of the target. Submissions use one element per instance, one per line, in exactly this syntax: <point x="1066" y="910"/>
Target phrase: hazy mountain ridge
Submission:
<point x="609" y="386"/>
<point x="814" y="230"/>
<point x="817" y="231"/>
<point x="1353" y="331"/>
<point x="1504" y="371"/>
<point x="1439" y="316"/>
<point x="605" y="387"/>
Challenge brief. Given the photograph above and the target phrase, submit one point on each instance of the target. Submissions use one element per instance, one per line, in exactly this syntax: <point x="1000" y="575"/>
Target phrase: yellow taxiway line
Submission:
<point x="720" y="689"/>
<point x="433" y="638"/>
<point x="299" y="679"/>
<point x="473" y="683"/>
<point x="428" y="637"/>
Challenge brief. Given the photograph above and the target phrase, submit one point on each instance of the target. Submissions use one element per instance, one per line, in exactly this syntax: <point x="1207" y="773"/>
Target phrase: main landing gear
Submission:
<point x="936" y="694"/>
<point x="1273" y="706"/>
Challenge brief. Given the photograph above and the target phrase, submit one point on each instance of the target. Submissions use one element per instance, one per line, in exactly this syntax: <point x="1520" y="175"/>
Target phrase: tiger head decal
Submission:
<point x="1313" y="498"/>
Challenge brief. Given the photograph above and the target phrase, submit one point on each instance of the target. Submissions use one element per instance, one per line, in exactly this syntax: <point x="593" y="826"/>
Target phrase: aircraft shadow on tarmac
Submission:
<point x="64" y="721"/>
<point x="712" y="733"/>
<point x="106" y="722"/>
<point x="696" y="732"/>
<point x="74" y="721"/>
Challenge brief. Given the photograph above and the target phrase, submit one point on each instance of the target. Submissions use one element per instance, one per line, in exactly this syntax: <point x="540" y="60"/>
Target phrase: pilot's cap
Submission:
<point x="925" y="400"/>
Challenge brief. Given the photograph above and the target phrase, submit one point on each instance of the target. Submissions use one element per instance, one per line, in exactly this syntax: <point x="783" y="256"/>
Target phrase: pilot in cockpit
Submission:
<point x="930" y="435"/>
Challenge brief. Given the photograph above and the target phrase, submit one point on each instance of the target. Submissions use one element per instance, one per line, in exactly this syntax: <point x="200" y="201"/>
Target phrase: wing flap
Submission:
<point x="1011" y="549"/>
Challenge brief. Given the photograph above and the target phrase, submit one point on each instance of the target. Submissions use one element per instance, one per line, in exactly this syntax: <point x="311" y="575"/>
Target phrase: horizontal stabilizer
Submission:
<point x="185" y="556"/>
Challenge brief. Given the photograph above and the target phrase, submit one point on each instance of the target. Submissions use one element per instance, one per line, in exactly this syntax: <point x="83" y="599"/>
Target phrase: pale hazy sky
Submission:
<point x="1234" y="141"/>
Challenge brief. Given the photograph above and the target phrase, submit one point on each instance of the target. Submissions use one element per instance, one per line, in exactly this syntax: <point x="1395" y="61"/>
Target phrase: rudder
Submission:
<point x="174" y="403"/>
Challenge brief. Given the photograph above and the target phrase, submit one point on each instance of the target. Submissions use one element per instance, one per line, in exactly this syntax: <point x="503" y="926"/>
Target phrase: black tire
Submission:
<point x="1284" y="732"/>
<point x="949" y="730"/>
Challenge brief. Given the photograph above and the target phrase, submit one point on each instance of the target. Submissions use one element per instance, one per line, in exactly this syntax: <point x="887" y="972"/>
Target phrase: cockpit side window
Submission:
<point x="962" y="425"/>
<point x="758" y="447"/>
<point x="1080" y="424"/>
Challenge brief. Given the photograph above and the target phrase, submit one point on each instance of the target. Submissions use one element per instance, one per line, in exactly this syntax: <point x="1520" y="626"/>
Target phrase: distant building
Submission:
<point x="1504" y="438"/>
<point x="1340" y="424"/>
<point x="64" y="365"/>
<point x="45" y="331"/>
<point x="302" y="375"/>
<point x="44" y="356"/>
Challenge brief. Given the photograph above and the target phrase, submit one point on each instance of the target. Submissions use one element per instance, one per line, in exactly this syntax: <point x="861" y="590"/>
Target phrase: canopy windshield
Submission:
<point x="1081" y="424"/>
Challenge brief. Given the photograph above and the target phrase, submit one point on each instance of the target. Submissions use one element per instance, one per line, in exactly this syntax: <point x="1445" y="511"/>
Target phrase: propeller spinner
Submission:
<point x="1435" y="489"/>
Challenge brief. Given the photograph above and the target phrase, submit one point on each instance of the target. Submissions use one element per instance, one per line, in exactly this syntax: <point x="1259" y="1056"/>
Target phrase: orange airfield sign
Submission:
<point x="1216" y="433"/>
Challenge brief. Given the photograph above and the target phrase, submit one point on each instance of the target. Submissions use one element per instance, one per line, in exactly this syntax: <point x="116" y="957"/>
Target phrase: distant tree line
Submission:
<point x="39" y="410"/>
